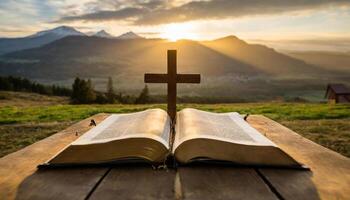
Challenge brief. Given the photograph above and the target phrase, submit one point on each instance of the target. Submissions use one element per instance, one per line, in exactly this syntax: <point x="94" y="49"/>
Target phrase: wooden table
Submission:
<point x="329" y="177"/>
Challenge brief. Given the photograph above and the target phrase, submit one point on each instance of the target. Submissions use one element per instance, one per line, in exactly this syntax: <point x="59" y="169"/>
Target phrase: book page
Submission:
<point x="229" y="127"/>
<point x="152" y="123"/>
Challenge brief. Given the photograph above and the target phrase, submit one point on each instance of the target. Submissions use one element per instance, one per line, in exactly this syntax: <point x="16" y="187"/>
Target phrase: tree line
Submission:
<point x="11" y="83"/>
<point x="82" y="91"/>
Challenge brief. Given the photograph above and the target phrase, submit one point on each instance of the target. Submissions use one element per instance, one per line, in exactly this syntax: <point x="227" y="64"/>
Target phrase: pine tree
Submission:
<point x="110" y="91"/>
<point x="90" y="93"/>
<point x="76" y="91"/>
<point x="143" y="97"/>
<point x="83" y="91"/>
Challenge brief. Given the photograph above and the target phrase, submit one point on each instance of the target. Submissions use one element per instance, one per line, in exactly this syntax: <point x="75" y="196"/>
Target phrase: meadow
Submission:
<point x="22" y="124"/>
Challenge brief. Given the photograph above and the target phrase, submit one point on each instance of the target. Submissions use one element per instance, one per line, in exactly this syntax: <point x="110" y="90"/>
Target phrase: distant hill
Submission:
<point x="262" y="57"/>
<point x="335" y="60"/>
<point x="229" y="66"/>
<point x="36" y="40"/>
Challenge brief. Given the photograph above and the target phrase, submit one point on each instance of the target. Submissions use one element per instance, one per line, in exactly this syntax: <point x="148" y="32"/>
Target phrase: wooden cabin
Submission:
<point x="337" y="93"/>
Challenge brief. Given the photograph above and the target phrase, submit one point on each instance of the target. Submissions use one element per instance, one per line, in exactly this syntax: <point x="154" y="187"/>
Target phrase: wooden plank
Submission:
<point x="210" y="182"/>
<point x="70" y="183"/>
<point x="134" y="182"/>
<point x="20" y="178"/>
<point x="329" y="177"/>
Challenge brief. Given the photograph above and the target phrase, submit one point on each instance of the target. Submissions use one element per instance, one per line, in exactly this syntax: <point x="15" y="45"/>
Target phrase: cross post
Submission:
<point x="172" y="78"/>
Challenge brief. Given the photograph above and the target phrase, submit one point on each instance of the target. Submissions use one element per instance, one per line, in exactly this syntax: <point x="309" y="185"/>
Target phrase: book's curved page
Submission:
<point x="224" y="136"/>
<point x="143" y="135"/>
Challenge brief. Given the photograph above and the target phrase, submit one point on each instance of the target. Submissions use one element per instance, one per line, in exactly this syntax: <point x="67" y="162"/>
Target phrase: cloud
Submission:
<point x="11" y="30"/>
<point x="121" y="14"/>
<point x="161" y="12"/>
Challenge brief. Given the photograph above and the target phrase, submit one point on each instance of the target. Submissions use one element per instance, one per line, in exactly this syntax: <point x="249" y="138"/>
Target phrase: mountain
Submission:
<point x="129" y="35"/>
<point x="222" y="57"/>
<point x="61" y="31"/>
<point x="262" y="57"/>
<point x="36" y="40"/>
<point x="229" y="66"/>
<point x="131" y="56"/>
<point x="103" y="34"/>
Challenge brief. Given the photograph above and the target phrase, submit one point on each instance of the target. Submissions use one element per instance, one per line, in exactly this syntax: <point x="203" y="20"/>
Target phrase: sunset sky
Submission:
<point x="270" y="20"/>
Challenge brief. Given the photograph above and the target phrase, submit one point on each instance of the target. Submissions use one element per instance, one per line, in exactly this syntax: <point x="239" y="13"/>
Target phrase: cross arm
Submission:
<point x="180" y="78"/>
<point x="156" y="78"/>
<point x="188" y="78"/>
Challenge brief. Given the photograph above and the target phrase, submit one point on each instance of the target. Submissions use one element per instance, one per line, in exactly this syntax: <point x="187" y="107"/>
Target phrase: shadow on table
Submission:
<point x="60" y="183"/>
<point x="206" y="181"/>
<point x="203" y="181"/>
<point x="80" y="182"/>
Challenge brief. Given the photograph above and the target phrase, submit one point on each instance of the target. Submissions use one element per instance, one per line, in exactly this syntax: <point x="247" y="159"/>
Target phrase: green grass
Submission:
<point x="328" y="125"/>
<point x="276" y="111"/>
<point x="12" y="114"/>
<point x="331" y="133"/>
<point x="15" y="137"/>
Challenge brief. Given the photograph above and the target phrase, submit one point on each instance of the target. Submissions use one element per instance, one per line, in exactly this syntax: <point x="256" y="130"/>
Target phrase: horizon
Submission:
<point x="268" y="22"/>
<point x="340" y="45"/>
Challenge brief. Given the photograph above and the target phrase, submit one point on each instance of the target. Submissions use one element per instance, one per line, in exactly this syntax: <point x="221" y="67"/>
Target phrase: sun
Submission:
<point x="174" y="32"/>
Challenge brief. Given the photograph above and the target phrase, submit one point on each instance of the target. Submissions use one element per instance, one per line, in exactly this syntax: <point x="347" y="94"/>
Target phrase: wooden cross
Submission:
<point x="171" y="78"/>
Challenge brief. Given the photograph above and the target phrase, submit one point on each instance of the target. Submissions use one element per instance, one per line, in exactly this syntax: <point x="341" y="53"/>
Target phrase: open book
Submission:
<point x="198" y="135"/>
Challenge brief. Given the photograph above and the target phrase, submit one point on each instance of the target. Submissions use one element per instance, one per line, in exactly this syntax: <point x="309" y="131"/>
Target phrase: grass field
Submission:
<point x="23" y="124"/>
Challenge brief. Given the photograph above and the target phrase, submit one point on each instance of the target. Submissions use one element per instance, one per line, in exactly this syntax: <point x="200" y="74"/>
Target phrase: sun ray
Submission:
<point x="174" y="32"/>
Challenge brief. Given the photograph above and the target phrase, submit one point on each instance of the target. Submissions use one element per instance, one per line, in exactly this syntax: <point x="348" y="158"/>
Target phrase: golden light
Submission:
<point x="174" y="32"/>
